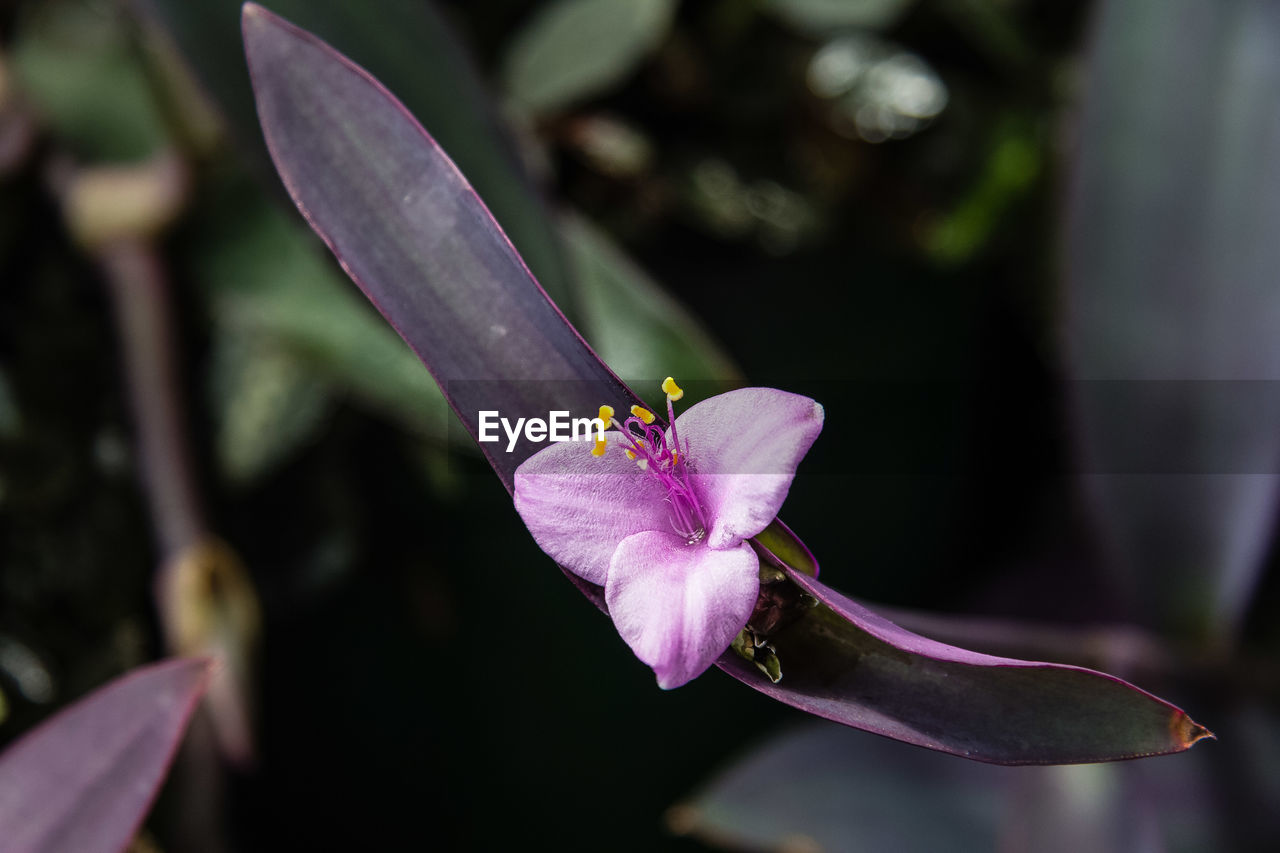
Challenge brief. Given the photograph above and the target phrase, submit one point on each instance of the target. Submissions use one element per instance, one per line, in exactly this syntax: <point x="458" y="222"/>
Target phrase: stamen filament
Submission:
<point x="654" y="454"/>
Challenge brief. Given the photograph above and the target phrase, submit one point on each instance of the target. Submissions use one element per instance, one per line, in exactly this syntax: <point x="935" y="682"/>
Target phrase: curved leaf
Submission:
<point x="421" y="245"/>
<point x="85" y="779"/>
<point x="409" y="45"/>
<point x="410" y="231"/>
<point x="843" y="662"/>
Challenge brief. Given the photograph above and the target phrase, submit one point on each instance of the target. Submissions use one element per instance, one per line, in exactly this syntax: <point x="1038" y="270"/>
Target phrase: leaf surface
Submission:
<point x="843" y="662"/>
<point x="415" y="237"/>
<point x="1174" y="305"/>
<point x="85" y="779"/>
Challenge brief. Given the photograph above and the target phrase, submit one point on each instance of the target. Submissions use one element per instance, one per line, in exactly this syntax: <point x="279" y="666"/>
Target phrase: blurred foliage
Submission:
<point x="267" y="400"/>
<point x="1172" y="264"/>
<point x="407" y="46"/>
<point x="76" y="63"/>
<point x="821" y="16"/>
<point x="574" y="49"/>
<point x="831" y="789"/>
<point x="265" y="277"/>
<point x="857" y="199"/>
<point x="1012" y="168"/>
<point x="638" y="330"/>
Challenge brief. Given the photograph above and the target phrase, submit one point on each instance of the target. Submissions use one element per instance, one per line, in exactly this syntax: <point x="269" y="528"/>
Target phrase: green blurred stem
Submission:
<point x="141" y="299"/>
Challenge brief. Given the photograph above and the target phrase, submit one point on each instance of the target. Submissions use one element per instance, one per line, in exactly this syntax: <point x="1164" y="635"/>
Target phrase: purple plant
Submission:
<point x="418" y="241"/>
<point x="85" y="779"/>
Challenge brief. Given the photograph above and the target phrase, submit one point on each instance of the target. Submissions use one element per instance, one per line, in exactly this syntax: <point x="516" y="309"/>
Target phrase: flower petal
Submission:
<point x="679" y="606"/>
<point x="579" y="507"/>
<point x="744" y="447"/>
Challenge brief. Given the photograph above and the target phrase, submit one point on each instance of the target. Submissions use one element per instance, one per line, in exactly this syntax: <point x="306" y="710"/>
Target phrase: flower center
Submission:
<point x="665" y="461"/>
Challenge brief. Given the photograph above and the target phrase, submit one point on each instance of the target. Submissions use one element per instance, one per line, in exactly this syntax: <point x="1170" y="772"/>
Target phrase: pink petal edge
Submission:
<point x="679" y="606"/>
<point x="745" y="446"/>
<point x="579" y="507"/>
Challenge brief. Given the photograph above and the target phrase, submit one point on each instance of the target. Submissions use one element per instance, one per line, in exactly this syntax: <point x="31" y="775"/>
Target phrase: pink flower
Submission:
<point x="661" y="519"/>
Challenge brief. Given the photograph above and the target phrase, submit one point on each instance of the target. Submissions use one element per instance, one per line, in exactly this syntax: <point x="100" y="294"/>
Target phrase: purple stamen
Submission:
<point x="669" y="465"/>
<point x="671" y="419"/>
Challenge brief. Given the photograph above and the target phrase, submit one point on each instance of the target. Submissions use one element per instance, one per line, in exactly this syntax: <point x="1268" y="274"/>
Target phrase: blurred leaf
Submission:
<point x="845" y="663"/>
<point x="823" y="787"/>
<point x="637" y="329"/>
<point x="1174" y="304"/>
<point x="821" y="16"/>
<point x="1081" y="807"/>
<point x="75" y="62"/>
<point x="409" y="47"/>
<point x="1010" y="171"/>
<point x="610" y="145"/>
<point x="266" y="401"/>
<point x="268" y="279"/>
<point x="575" y="49"/>
<point x="85" y="779"/>
<point x="730" y="207"/>
<point x="417" y="240"/>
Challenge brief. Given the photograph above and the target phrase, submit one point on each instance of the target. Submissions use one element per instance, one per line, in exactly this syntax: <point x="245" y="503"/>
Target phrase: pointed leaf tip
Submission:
<point x="1188" y="732"/>
<point x="413" y="235"/>
<point x="847" y="664"/>
<point x="249" y="14"/>
<point x="85" y="779"/>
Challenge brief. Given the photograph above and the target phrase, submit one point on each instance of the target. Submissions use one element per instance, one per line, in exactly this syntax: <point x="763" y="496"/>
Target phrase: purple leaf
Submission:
<point x="823" y="787"/>
<point x="410" y="46"/>
<point x="843" y="662"/>
<point x="1174" y="307"/>
<point x="415" y="237"/>
<point x="85" y="779"/>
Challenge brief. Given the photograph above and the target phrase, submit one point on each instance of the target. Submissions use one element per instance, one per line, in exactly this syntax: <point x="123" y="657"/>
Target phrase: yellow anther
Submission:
<point x="675" y="457"/>
<point x="599" y="449"/>
<point x="671" y="389"/>
<point x="606" y="414"/>
<point x="643" y="414"/>
<point x="630" y="455"/>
